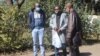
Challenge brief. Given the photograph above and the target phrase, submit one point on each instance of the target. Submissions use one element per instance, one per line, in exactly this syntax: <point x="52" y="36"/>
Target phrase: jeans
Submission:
<point x="38" y="41"/>
<point x="64" y="50"/>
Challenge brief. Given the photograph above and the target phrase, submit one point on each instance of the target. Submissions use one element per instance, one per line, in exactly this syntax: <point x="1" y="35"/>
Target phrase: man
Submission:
<point x="58" y="23"/>
<point x="74" y="28"/>
<point x="37" y="23"/>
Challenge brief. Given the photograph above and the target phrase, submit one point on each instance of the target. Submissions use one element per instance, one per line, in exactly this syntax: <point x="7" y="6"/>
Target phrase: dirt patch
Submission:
<point x="86" y="50"/>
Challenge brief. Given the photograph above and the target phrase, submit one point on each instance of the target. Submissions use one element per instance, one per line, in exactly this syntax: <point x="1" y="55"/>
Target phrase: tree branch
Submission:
<point x="19" y="4"/>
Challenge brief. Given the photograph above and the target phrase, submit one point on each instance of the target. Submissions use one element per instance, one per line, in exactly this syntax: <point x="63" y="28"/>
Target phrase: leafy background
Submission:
<point x="14" y="30"/>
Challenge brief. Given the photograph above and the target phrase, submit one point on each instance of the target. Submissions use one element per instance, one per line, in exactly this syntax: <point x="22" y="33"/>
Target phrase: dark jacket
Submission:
<point x="32" y="19"/>
<point x="74" y="25"/>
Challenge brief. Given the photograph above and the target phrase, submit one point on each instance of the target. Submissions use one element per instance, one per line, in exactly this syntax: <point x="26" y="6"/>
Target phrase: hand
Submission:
<point x="68" y="35"/>
<point x="59" y="30"/>
<point x="56" y="29"/>
<point x="68" y="41"/>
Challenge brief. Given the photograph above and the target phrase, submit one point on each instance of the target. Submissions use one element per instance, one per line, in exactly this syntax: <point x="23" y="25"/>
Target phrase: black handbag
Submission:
<point x="77" y="41"/>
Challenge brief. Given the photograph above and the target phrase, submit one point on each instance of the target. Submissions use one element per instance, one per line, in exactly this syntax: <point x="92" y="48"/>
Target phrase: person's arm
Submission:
<point x="30" y="18"/>
<point x="44" y="18"/>
<point x="65" y="22"/>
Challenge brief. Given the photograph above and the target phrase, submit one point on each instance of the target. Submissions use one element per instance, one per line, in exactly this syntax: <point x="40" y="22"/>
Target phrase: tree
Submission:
<point x="19" y="3"/>
<point x="9" y="2"/>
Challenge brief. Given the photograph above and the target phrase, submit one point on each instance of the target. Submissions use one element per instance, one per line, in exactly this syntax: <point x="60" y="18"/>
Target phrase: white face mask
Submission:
<point x="37" y="8"/>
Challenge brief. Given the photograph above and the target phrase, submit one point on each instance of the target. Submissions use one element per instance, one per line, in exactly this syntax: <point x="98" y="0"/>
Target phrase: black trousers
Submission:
<point x="64" y="50"/>
<point x="74" y="51"/>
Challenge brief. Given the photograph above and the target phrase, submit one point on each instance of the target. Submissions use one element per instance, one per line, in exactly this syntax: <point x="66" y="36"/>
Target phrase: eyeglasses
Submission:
<point x="56" y="9"/>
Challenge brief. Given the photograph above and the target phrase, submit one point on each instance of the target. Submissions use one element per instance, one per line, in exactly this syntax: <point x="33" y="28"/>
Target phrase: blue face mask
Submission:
<point x="37" y="8"/>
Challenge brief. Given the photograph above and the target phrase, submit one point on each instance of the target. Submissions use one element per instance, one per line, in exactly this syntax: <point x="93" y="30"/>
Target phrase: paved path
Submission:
<point x="87" y="50"/>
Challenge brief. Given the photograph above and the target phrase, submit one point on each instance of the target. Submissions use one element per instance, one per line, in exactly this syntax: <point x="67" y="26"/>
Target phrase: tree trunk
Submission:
<point x="20" y="3"/>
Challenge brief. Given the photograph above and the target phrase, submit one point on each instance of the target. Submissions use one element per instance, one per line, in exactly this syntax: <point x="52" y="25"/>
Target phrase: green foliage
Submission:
<point x="14" y="31"/>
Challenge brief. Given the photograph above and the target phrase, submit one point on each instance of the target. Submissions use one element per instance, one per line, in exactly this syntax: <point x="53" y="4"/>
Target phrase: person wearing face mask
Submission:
<point x="58" y="23"/>
<point x="37" y="23"/>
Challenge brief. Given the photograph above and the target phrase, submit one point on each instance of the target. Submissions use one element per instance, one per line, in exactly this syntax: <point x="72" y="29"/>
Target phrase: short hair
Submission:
<point x="69" y="5"/>
<point x="37" y="4"/>
<point x="57" y="6"/>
